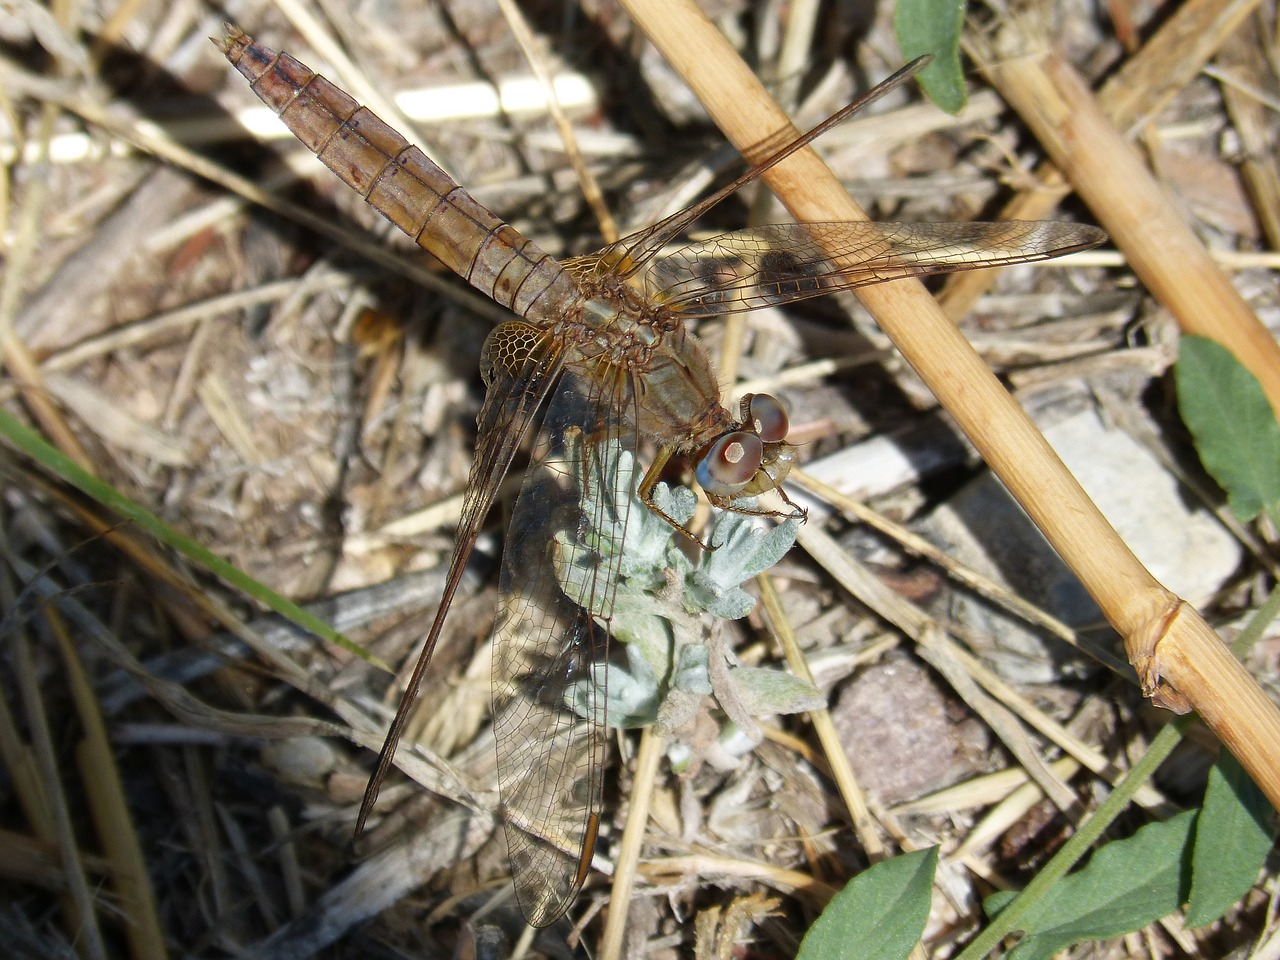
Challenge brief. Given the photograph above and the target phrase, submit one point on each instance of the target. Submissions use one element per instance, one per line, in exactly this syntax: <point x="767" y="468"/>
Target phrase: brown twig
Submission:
<point x="110" y="809"/>
<point x="838" y="758"/>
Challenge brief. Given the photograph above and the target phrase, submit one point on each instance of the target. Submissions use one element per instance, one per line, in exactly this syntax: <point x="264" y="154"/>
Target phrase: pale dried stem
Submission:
<point x="1150" y="618"/>
<point x="833" y="748"/>
<point x="1147" y="81"/>
<point x="896" y="609"/>
<point x="982" y="790"/>
<point x="626" y="866"/>
<point x="586" y="180"/>
<point x="1011" y="809"/>
<point x="150" y="141"/>
<point x="104" y="791"/>
<point x="81" y="916"/>
<point x="732" y="346"/>
<point x="1246" y="106"/>
<point x="17" y="358"/>
<point x="1110" y="176"/>
<point x="803" y="885"/>
<point x="793" y="56"/>
<point x="1050" y="729"/>
<point x="111" y="34"/>
<point x="143" y="332"/>
<point x="920" y="547"/>
<point x="1170" y="60"/>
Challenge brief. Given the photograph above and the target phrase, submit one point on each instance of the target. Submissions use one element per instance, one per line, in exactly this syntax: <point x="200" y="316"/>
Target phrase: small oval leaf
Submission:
<point x="1233" y="425"/>
<point x="933" y="26"/>
<point x="879" y="915"/>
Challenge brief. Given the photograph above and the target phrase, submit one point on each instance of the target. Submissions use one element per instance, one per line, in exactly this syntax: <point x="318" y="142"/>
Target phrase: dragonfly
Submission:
<point x="598" y="363"/>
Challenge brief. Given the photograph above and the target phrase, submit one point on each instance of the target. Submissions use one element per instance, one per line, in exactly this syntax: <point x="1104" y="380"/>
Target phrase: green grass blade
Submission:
<point x="34" y="446"/>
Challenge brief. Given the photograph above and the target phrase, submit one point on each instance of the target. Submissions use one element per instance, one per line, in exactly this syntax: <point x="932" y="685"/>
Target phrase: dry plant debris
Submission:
<point x="181" y="771"/>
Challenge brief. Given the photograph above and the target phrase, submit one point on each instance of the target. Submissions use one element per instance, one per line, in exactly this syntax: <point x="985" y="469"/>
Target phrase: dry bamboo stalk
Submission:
<point x="1147" y="81"/>
<point x="1150" y="618"/>
<point x="1058" y="106"/>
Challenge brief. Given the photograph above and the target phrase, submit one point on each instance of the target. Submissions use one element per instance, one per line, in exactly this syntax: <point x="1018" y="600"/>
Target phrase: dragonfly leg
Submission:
<point x="794" y="511"/>
<point x="797" y="512"/>
<point x="647" y="484"/>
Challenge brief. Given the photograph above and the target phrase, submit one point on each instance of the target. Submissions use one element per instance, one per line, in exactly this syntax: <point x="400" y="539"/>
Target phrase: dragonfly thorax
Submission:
<point x="612" y="313"/>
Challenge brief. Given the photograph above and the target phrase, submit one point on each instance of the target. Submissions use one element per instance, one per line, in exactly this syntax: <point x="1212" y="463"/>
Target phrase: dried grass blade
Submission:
<point x="104" y="792"/>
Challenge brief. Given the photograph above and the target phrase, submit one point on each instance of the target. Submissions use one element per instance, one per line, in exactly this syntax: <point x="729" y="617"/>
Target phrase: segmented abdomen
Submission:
<point x="401" y="182"/>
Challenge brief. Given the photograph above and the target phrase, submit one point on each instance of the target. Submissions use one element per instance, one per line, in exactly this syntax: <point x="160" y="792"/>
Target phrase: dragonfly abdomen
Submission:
<point x="404" y="185"/>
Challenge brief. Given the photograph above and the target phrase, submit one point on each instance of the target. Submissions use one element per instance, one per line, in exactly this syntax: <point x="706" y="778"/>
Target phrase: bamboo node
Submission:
<point x="1144" y="655"/>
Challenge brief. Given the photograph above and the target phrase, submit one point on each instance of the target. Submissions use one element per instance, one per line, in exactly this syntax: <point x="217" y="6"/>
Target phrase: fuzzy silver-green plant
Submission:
<point x="666" y="606"/>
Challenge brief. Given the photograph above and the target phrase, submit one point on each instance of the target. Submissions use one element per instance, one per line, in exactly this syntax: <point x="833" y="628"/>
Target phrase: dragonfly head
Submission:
<point x="752" y="459"/>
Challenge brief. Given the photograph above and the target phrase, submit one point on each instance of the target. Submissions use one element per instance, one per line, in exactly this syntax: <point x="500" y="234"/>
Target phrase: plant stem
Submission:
<point x="1088" y="833"/>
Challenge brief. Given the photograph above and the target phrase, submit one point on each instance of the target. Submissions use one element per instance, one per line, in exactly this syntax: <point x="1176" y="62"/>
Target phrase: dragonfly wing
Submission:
<point x="781" y="262"/>
<point x="556" y="594"/>
<point x="520" y="365"/>
<point x="631" y="254"/>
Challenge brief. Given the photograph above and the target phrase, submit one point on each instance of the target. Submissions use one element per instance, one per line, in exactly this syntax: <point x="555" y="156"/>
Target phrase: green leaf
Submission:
<point x="879" y="915"/>
<point x="1233" y="837"/>
<point x="765" y="691"/>
<point x="933" y="26"/>
<point x="1234" y="427"/>
<point x="1126" y="885"/>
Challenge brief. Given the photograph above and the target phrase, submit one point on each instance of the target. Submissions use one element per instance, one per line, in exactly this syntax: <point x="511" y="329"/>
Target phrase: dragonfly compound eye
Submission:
<point x="766" y="416"/>
<point x="730" y="463"/>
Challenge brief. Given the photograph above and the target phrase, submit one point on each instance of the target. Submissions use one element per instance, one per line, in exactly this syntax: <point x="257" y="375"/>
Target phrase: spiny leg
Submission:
<point x="645" y="492"/>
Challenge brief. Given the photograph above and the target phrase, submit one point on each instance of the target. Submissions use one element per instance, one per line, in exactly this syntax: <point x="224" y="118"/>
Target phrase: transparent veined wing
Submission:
<point x="520" y="365"/>
<point x="557" y="588"/>
<point x="782" y="262"/>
